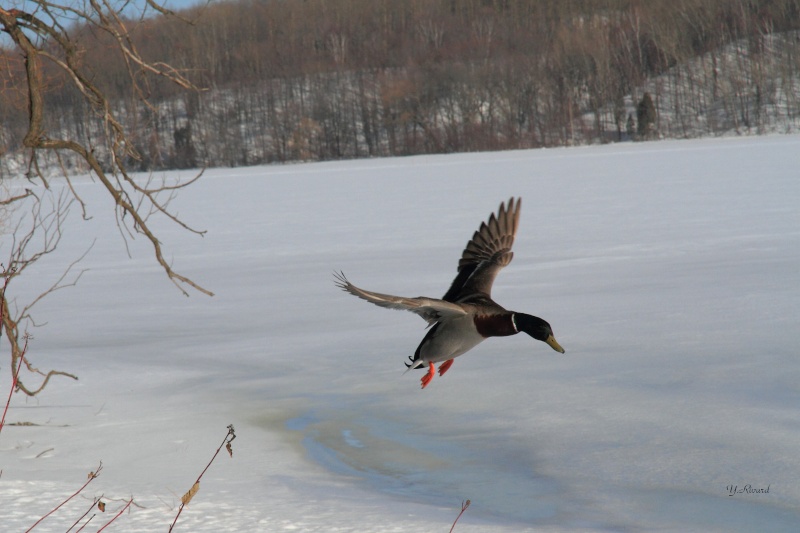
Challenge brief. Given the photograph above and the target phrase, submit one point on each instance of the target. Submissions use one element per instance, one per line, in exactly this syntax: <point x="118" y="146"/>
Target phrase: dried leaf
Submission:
<point x="230" y="449"/>
<point x="189" y="495"/>
<point x="101" y="506"/>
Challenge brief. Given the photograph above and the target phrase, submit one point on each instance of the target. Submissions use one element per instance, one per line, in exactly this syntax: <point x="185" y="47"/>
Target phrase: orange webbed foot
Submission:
<point x="429" y="376"/>
<point x="444" y="367"/>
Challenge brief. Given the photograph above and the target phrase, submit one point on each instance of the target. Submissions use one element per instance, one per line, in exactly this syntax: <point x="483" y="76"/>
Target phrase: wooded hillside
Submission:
<point x="322" y="79"/>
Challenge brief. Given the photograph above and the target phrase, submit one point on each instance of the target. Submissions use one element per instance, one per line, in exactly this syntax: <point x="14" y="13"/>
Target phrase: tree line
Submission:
<point x="319" y="79"/>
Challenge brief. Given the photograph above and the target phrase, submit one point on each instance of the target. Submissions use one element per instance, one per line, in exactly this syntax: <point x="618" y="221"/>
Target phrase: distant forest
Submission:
<point x="292" y="80"/>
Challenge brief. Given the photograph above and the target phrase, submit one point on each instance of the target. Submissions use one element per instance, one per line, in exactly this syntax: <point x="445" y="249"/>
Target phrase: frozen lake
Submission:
<point x="669" y="272"/>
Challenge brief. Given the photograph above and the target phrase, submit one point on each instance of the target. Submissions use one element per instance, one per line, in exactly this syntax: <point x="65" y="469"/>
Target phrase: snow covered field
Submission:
<point x="669" y="271"/>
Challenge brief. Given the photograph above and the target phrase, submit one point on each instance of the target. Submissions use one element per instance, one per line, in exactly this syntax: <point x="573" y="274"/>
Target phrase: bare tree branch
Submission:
<point x="47" y="36"/>
<point x="37" y="138"/>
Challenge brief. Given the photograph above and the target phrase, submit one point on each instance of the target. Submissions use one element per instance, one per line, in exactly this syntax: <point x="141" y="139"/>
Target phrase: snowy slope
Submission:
<point x="669" y="272"/>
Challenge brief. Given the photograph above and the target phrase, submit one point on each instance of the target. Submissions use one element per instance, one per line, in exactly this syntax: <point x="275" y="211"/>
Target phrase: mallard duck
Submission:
<point x="466" y="314"/>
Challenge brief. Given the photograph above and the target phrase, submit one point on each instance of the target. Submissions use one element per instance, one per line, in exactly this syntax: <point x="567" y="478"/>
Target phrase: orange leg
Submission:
<point x="444" y="367"/>
<point x="429" y="376"/>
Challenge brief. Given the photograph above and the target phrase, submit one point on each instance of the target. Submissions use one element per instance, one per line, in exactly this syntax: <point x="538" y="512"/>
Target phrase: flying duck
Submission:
<point x="466" y="314"/>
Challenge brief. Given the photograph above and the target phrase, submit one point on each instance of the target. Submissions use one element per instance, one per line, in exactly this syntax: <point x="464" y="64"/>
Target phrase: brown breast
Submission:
<point x="497" y="325"/>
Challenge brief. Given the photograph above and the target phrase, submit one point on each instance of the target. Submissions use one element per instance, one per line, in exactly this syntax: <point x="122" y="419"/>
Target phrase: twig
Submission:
<point x="89" y="510"/>
<point x="84" y="525"/>
<point x="7" y="275"/>
<point x="464" y="506"/>
<point x="226" y="442"/>
<point x="92" y="476"/>
<point x="44" y="452"/>
<point x="14" y="381"/>
<point x="128" y="504"/>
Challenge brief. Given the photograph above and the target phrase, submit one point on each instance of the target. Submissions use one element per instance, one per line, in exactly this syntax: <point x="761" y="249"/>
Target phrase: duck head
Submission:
<point x="537" y="328"/>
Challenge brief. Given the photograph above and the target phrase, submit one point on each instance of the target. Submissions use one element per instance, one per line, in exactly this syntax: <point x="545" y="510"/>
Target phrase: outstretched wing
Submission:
<point x="486" y="254"/>
<point x="431" y="309"/>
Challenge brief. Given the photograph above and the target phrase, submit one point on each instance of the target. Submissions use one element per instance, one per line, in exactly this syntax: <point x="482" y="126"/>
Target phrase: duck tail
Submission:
<point x="415" y="363"/>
